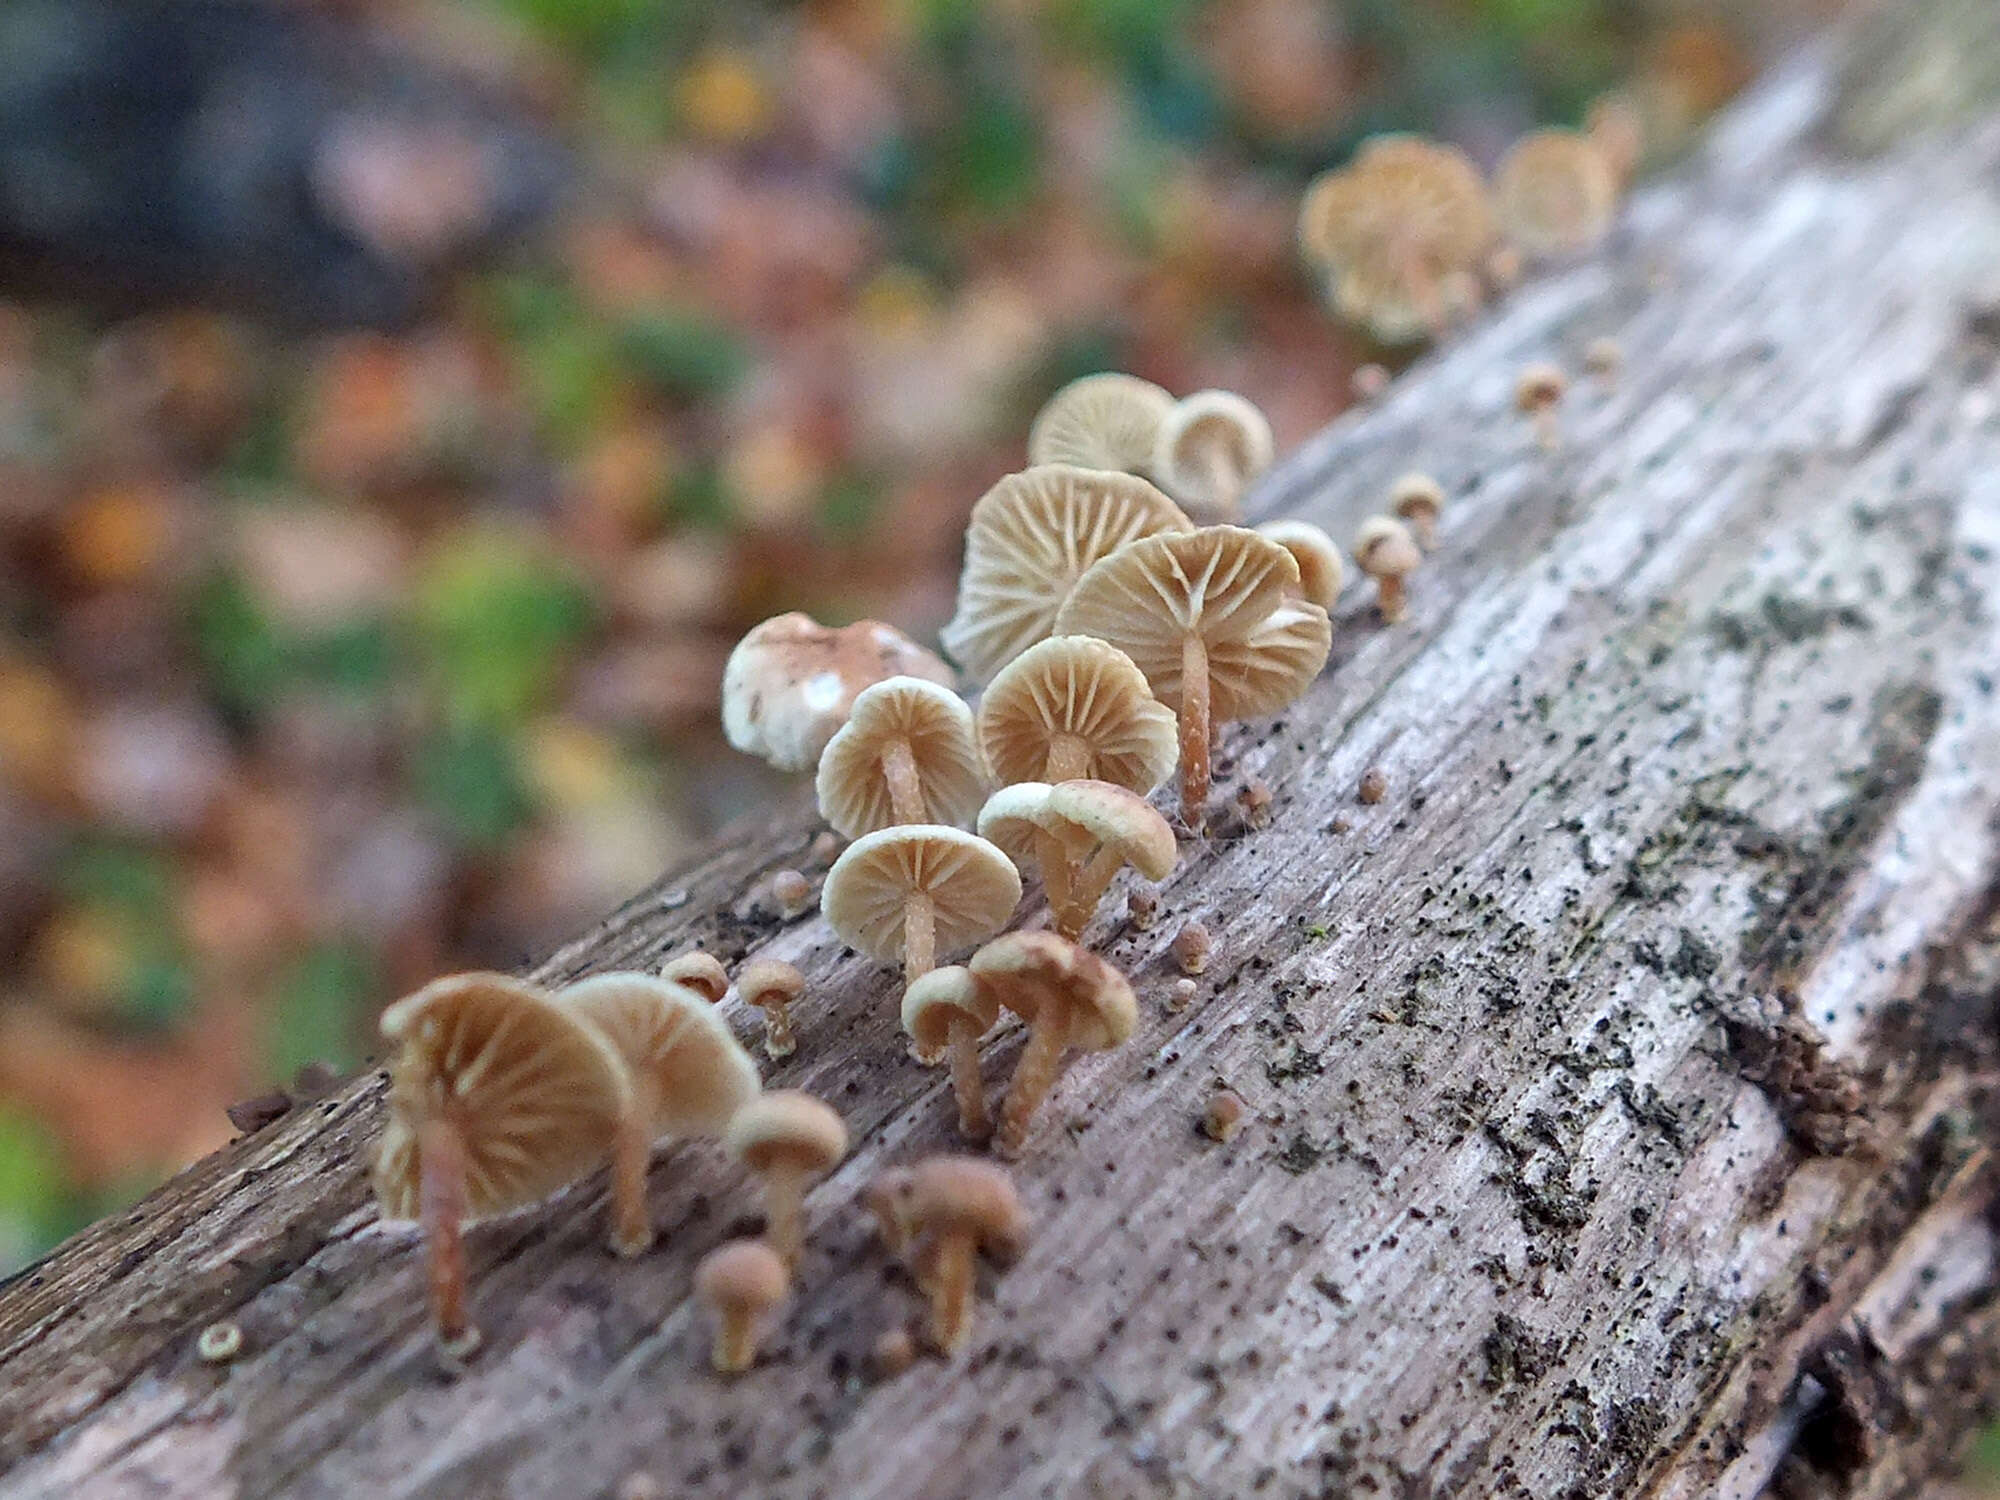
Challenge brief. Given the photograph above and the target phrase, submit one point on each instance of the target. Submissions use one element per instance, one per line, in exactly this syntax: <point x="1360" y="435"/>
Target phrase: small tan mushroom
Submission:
<point x="1253" y="799"/>
<point x="1097" y="829"/>
<point x="1605" y="359"/>
<point x="948" y="1010"/>
<point x="1070" y="998"/>
<point x="700" y="972"/>
<point x="790" y="1140"/>
<point x="1387" y="553"/>
<point x="1369" y="383"/>
<point x="911" y="893"/>
<point x="1208" y="450"/>
<point x="1142" y="909"/>
<point x="1030" y="538"/>
<point x="790" y="683"/>
<point x="498" y="1096"/>
<point x="1537" y="394"/>
<point x="1321" y="572"/>
<point x="959" y="1206"/>
<point x="740" y="1283"/>
<point x="1191" y="947"/>
<point x="771" y="985"/>
<point x="689" y="1077"/>
<point x="1222" y="1116"/>
<point x="1105" y="421"/>
<point x="1418" y="500"/>
<point x="1556" y="193"/>
<point x="791" y="893"/>
<point x="1213" y="618"/>
<point x="893" y="1352"/>
<point x="908" y="755"/>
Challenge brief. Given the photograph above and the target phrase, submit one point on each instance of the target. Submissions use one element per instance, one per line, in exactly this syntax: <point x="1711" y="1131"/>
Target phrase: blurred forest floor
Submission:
<point x="329" y="662"/>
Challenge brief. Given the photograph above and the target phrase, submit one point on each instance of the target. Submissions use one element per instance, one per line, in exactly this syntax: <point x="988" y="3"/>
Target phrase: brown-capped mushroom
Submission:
<point x="498" y="1095"/>
<point x="740" y="1283"/>
<point x="1100" y="829"/>
<point x="1418" y="500"/>
<point x="772" y="985"/>
<point x="1070" y="998"/>
<point x="957" y="1207"/>
<point x="1321" y="572"/>
<point x="689" y="1077"/>
<point x="1537" y="393"/>
<point x="1209" y="448"/>
<point x="1387" y="553"/>
<point x="948" y="1010"/>
<point x="790" y="1140"/>
<point x="1253" y="800"/>
<point x="910" y="893"/>
<point x="701" y="972"/>
<point x="1213" y="618"/>
<point x="1031" y="536"/>
<point x="908" y="755"/>
<point x="1104" y="421"/>
<point x="790" y="683"/>
<point x="1555" y="193"/>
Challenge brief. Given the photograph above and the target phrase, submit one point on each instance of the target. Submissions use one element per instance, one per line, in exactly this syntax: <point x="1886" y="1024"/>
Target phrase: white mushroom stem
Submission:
<point x="973" y="1119"/>
<point x="1034" y="1075"/>
<point x="1089" y="889"/>
<point x="441" y="1199"/>
<point x="950" y="1273"/>
<point x="920" y="956"/>
<point x="784" y="1209"/>
<point x="631" y="1154"/>
<point x="1194" y="733"/>
<point x="779" y="1042"/>
<point x="1068" y="759"/>
<point x="1548" y="429"/>
<point x="906" y="792"/>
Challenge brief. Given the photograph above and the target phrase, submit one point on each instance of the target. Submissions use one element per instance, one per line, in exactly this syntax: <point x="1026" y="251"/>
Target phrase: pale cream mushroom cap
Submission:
<point x="1013" y="816"/>
<point x="1234" y="588"/>
<point x="1103" y="421"/>
<point x="1211" y="422"/>
<point x="1030" y="970"/>
<point x="1031" y="537"/>
<point x="964" y="1195"/>
<point x="1415" y="492"/>
<point x="942" y="999"/>
<point x="787" y="1127"/>
<point x="936" y="724"/>
<point x="693" y="1073"/>
<point x="1086" y="814"/>
<point x="1085" y="689"/>
<point x="973" y="888"/>
<point x="764" y="978"/>
<point x="745" y="1277"/>
<point x="791" y="682"/>
<point x="1321" y="572"/>
<point x="1557" y="193"/>
<point x="701" y="972"/>
<point x="1384" y="545"/>
<point x="534" y="1091"/>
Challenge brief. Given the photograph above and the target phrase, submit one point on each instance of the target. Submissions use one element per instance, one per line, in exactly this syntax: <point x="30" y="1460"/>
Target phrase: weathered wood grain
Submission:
<point x="1624" y="1080"/>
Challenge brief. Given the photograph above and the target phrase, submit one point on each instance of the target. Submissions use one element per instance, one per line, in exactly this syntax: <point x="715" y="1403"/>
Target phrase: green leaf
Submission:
<point x="33" y="1211"/>
<point x="684" y="353"/>
<point x="241" y="651"/>
<point x="498" y="618"/>
<point x="473" y="781"/>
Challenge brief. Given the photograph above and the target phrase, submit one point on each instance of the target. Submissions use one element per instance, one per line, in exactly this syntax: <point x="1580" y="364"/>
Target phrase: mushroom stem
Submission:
<point x="974" y="1122"/>
<point x="920" y="956"/>
<point x="1194" y="733"/>
<point x="951" y="1290"/>
<point x="1034" y="1075"/>
<point x="631" y="1154"/>
<point x="1548" y="430"/>
<point x="784" y="1211"/>
<point x="1390" y="601"/>
<point x="1056" y="873"/>
<point x="906" y="792"/>
<point x="1089" y="889"/>
<point x="735" y="1341"/>
<point x="779" y="1042"/>
<point x="1068" y="759"/>
<point x="441" y="1195"/>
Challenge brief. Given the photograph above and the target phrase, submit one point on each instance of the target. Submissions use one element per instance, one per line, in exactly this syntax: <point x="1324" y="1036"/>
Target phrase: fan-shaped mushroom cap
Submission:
<point x="944" y="998"/>
<point x="1087" y="695"/>
<point x="1557" y="193"/>
<point x="1210" y="446"/>
<point x="686" y="1062"/>
<point x="1096" y="814"/>
<point x="1321" y="571"/>
<point x="701" y="972"/>
<point x="1233" y="588"/>
<point x="1014" y="815"/>
<point x="791" y="681"/>
<point x="787" y="1129"/>
<point x="934" y="722"/>
<point x="1031" y="536"/>
<point x="1105" y="421"/>
<point x="1030" y="970"/>
<point x="972" y="886"/>
<point x="534" y="1092"/>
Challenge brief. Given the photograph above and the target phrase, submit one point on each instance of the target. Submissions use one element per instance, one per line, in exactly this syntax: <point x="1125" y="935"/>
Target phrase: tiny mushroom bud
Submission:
<point x="699" y="972"/>
<point x="790" y="1140"/>
<point x="1321" y="571"/>
<point x="1105" y="421"/>
<point x="959" y="1206"/>
<point x="1374" y="786"/>
<point x="219" y="1343"/>
<point x="1142" y="908"/>
<point x="1369" y="383"/>
<point x="791" y="892"/>
<point x="894" y="1352"/>
<point x="1180" y="995"/>
<point x="1254" y="798"/>
<point x="948" y="1010"/>
<point x="1604" y="358"/>
<point x="1190" y="947"/>
<point x="1418" y="499"/>
<point x="825" y="848"/>
<point x="740" y="1282"/>
<point x="1209" y="448"/>
<point x="771" y="985"/>
<point x="1223" y="1115"/>
<point x="1387" y="553"/>
<point x="1537" y="394"/>
<point x="911" y="893"/>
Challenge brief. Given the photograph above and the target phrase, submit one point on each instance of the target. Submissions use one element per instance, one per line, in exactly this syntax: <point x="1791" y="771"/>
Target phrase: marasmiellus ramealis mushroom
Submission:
<point x="771" y="985"/>
<point x="1417" y="500"/>
<point x="1387" y="553"/>
<point x="1209" y="448"/>
<point x="948" y="1010"/>
<point x="907" y="755"/>
<point x="740" y="1283"/>
<point x="1103" y="421"/>
<point x="1321" y="572"/>
<point x="1213" y="618"/>
<point x="1097" y="828"/>
<point x="1555" y="193"/>
<point x="957" y="1207"/>
<point x="790" y="1140"/>
<point x="1538" y="391"/>
<point x="701" y="972"/>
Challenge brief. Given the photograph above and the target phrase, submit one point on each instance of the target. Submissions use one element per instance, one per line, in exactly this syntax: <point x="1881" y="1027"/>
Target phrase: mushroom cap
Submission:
<point x="1030" y="538"/>
<point x="687" y="1064"/>
<point x="964" y="1195"/>
<point x="1233" y="588"/>
<point x="745" y="1275"/>
<point x="787" y="1127"/>
<point x="937" y="726"/>
<point x="944" y="998"/>
<point x="535" y="1092"/>
<point x="1029" y="970"/>
<point x="1088" y="814"/>
<point x="701" y="972"/>
<point x="1088" y="690"/>
<point x="973" y="888"/>
<point x="1539" y="384"/>
<point x="791" y="681"/>
<point x="1014" y="815"/>
<point x="1557" y="193"/>
<point x="1206" y="423"/>
<point x="1617" y="127"/>
<point x="764" y="981"/>
<point x="1383" y="545"/>
<point x="1416" y="494"/>
<point x="1321" y="572"/>
<point x="1103" y="421"/>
